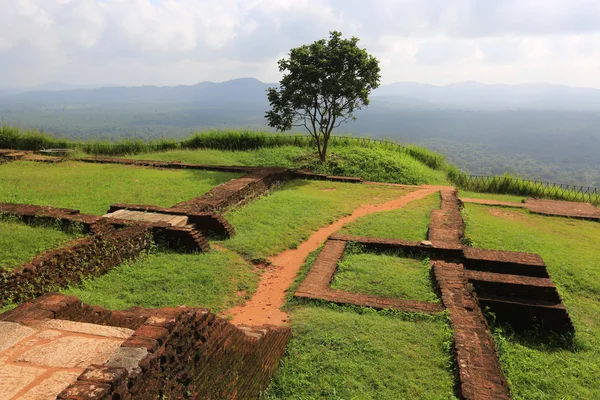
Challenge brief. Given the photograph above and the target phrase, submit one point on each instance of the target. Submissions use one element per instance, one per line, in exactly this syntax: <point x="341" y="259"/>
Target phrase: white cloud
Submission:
<point x="185" y="41"/>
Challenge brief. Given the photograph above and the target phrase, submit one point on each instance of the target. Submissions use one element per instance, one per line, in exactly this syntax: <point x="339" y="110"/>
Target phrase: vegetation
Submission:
<point x="217" y="280"/>
<point x="339" y="353"/>
<point x="509" y="184"/>
<point x="290" y="214"/>
<point x="538" y="369"/>
<point x="92" y="188"/>
<point x="410" y="222"/>
<point x="19" y="242"/>
<point x="322" y="85"/>
<point x="387" y="275"/>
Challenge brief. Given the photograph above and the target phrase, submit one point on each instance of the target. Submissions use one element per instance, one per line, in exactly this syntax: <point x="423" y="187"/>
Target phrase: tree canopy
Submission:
<point x="323" y="84"/>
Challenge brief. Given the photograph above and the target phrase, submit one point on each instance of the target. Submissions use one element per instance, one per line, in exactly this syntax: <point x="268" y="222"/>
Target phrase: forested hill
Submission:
<point x="544" y="132"/>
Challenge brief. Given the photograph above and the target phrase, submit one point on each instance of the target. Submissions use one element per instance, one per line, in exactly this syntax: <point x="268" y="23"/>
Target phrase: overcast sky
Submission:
<point x="169" y="42"/>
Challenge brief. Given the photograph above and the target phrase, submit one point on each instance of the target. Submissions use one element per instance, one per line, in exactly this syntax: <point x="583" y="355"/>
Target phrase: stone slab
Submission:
<point x="90" y="329"/>
<point x="71" y="352"/>
<point x="51" y="387"/>
<point x="12" y="333"/>
<point x="14" y="378"/>
<point x="128" y="358"/>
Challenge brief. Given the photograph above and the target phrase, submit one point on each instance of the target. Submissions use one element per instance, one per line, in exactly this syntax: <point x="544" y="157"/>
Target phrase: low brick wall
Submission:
<point x="236" y="191"/>
<point x="81" y="258"/>
<point x="324" y="177"/>
<point x="45" y="214"/>
<point x="163" y="164"/>
<point x="174" y="353"/>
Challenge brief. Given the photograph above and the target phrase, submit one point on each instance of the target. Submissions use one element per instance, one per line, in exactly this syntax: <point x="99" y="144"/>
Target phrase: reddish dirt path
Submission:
<point x="264" y="306"/>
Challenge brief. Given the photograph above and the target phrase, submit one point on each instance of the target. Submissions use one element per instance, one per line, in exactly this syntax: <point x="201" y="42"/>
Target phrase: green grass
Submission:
<point x="385" y="275"/>
<point x="337" y="353"/>
<point x="408" y="223"/>
<point x="19" y="242"/>
<point x="92" y="188"/>
<point x="571" y="252"/>
<point x="287" y="216"/>
<point x="374" y="164"/>
<point x="491" y="196"/>
<point x="217" y="280"/>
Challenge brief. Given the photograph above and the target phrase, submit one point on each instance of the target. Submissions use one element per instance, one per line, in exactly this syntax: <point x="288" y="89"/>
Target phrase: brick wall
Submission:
<point x="80" y="258"/>
<point x="174" y="353"/>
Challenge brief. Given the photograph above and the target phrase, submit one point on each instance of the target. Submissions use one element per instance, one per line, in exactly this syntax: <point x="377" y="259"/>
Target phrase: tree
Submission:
<point x="323" y="84"/>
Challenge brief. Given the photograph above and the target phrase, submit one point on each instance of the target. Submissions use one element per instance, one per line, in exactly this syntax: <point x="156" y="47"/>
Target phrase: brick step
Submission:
<point x="505" y="262"/>
<point x="518" y="286"/>
<point x="526" y="314"/>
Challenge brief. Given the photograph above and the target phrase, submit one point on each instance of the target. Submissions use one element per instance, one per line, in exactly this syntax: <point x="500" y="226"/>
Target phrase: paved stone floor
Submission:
<point x="38" y="362"/>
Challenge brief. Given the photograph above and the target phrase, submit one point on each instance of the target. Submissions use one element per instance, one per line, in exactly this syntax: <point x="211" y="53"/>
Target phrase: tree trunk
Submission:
<point x="323" y="154"/>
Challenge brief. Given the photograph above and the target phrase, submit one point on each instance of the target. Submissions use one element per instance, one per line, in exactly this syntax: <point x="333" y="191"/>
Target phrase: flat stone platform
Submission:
<point x="152" y="217"/>
<point x="37" y="362"/>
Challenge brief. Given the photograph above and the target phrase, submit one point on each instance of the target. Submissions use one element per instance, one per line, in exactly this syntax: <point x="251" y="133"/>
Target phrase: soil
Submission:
<point x="264" y="306"/>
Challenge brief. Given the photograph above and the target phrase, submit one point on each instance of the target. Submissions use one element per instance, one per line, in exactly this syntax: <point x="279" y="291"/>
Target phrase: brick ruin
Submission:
<point x="188" y="352"/>
<point x="516" y="287"/>
<point x="171" y="353"/>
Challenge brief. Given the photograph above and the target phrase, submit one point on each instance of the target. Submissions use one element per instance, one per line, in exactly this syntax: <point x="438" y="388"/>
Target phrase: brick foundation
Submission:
<point x="173" y="353"/>
<point x="317" y="283"/>
<point x="81" y="258"/>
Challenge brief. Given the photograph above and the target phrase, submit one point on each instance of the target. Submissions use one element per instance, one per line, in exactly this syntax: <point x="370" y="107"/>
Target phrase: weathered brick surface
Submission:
<point x="174" y="353"/>
<point x="45" y="214"/>
<point x="324" y="177"/>
<point x="438" y="250"/>
<point x="446" y="227"/>
<point x="80" y="258"/>
<point x="236" y="191"/>
<point x="478" y="367"/>
<point x="563" y="209"/>
<point x="316" y="285"/>
<point x="163" y="164"/>
<point x="208" y="223"/>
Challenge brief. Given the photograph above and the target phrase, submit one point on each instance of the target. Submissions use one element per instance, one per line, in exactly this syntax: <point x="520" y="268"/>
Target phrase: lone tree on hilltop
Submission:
<point x="323" y="84"/>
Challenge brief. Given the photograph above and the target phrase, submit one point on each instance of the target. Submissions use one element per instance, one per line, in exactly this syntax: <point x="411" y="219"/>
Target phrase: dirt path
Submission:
<point x="264" y="306"/>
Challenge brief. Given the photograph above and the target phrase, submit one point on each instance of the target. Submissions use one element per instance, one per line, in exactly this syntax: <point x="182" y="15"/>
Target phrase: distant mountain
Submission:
<point x="237" y="90"/>
<point x="404" y="95"/>
<point x="479" y="95"/>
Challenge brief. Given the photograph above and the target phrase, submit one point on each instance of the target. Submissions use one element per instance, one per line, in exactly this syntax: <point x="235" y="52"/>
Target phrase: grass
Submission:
<point x="373" y="164"/>
<point x="337" y="353"/>
<point x="92" y="188"/>
<point x="570" y="250"/>
<point x="286" y="217"/>
<point x="385" y="275"/>
<point x="19" y="242"/>
<point x="410" y="222"/>
<point x="491" y="196"/>
<point x="217" y="280"/>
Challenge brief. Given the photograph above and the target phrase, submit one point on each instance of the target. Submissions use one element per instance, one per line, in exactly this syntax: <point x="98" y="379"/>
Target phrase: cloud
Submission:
<point x="185" y="41"/>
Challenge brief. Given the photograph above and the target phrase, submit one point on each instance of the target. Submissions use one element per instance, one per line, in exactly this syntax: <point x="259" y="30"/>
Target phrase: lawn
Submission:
<point x="338" y="353"/>
<point x="491" y="196"/>
<point x="287" y="216"/>
<point x="374" y="164"/>
<point x="20" y="242"/>
<point x="92" y="188"/>
<point x="410" y="222"/>
<point x="217" y="280"/>
<point x="570" y="249"/>
<point x="385" y="275"/>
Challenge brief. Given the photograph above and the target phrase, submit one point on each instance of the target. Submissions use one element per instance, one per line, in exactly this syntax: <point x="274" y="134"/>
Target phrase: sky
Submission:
<point x="174" y="42"/>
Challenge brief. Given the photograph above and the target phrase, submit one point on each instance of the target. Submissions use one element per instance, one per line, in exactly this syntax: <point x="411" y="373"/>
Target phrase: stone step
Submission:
<point x="150" y="217"/>
<point x="518" y="286"/>
<point x="527" y="314"/>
